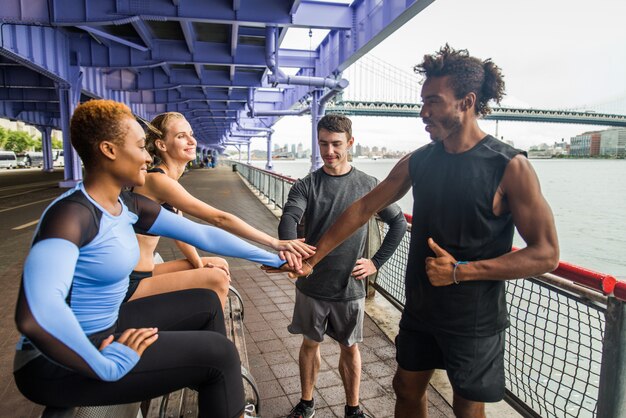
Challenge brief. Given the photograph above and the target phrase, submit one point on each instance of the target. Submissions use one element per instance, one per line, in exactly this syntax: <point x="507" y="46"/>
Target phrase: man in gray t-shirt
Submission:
<point x="331" y="299"/>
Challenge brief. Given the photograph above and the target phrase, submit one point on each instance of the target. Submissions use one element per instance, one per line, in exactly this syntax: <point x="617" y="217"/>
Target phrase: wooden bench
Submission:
<point x="184" y="402"/>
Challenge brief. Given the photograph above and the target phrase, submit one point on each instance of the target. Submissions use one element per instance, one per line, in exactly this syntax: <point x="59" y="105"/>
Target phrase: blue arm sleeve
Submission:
<point x="211" y="239"/>
<point x="58" y="333"/>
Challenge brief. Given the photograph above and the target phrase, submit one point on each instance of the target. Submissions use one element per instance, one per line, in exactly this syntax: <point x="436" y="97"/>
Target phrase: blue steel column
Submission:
<point x="249" y="152"/>
<point x="316" y="115"/>
<point x="611" y="399"/>
<point x="269" y="165"/>
<point x="46" y="148"/>
<point x="73" y="170"/>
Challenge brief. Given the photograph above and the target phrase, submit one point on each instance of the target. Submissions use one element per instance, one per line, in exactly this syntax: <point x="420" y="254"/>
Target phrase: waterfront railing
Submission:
<point x="566" y="345"/>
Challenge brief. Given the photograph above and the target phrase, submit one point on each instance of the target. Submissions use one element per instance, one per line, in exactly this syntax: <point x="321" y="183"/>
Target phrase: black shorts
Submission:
<point x="133" y="282"/>
<point x="475" y="365"/>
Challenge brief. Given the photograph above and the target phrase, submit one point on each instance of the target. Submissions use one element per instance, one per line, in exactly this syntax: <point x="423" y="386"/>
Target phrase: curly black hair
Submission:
<point x="466" y="74"/>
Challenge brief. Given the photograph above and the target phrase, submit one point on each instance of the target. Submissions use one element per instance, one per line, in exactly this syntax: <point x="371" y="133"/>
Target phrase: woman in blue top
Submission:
<point x="79" y="344"/>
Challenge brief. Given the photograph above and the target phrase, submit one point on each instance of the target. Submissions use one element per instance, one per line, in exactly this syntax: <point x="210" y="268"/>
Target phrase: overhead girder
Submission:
<point x="20" y="77"/>
<point x="185" y="96"/>
<point x="38" y="117"/>
<point x="43" y="49"/>
<point x="41" y="119"/>
<point x="152" y="79"/>
<point x="173" y="52"/>
<point x="250" y="13"/>
<point x="191" y="94"/>
<point x="29" y="95"/>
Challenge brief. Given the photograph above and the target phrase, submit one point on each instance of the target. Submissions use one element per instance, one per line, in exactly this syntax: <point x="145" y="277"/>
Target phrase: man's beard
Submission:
<point x="448" y="126"/>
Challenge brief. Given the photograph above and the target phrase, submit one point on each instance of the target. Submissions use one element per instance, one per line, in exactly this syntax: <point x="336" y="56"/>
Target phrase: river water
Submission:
<point x="588" y="198"/>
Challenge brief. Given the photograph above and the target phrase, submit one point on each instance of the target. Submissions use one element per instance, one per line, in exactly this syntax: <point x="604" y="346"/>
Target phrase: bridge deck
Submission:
<point x="268" y="299"/>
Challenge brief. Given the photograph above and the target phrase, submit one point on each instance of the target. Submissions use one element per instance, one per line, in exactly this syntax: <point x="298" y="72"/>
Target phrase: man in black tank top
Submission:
<point x="470" y="191"/>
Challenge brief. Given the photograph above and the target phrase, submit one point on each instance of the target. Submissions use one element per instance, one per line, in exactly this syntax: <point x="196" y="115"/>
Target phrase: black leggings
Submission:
<point x="191" y="351"/>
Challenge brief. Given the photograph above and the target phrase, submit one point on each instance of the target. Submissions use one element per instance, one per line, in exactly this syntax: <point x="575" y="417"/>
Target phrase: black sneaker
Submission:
<point x="301" y="411"/>
<point x="358" y="414"/>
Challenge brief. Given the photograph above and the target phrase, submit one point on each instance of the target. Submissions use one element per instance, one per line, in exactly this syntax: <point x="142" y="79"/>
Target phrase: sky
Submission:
<point x="553" y="53"/>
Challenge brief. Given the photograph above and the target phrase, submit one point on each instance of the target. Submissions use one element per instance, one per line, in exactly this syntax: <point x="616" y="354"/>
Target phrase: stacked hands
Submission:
<point x="438" y="268"/>
<point x="293" y="252"/>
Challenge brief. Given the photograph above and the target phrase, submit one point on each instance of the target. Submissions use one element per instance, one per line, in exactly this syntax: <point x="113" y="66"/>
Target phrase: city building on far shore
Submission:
<point x="608" y="143"/>
<point x="613" y="143"/>
<point x="586" y="144"/>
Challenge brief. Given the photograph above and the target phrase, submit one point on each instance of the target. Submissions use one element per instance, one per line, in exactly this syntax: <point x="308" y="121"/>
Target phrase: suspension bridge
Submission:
<point x="378" y="88"/>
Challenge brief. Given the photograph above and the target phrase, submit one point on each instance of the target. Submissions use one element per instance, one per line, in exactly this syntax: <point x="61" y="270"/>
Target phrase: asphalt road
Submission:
<point x="24" y="194"/>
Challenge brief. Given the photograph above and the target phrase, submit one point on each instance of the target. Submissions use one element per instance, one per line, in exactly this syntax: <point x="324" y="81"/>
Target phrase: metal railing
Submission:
<point x="565" y="345"/>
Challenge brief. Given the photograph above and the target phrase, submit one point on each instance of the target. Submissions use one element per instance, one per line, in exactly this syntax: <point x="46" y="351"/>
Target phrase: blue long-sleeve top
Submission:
<point x="76" y="275"/>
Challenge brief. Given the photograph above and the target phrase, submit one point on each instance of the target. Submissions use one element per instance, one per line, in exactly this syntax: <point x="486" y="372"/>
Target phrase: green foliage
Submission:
<point x="57" y="144"/>
<point x="19" y="141"/>
<point x="4" y="135"/>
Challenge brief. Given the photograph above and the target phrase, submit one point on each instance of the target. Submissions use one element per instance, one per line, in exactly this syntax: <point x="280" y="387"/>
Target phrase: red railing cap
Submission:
<point x="620" y="290"/>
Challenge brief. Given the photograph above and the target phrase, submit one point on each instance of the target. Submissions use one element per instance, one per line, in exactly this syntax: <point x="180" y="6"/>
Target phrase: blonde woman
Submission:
<point x="172" y="145"/>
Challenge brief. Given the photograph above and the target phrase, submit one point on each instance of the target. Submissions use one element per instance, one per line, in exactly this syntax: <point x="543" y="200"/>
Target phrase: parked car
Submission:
<point x="8" y="159"/>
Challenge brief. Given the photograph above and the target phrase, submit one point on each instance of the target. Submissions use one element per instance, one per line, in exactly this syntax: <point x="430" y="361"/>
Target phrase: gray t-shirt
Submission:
<point x="323" y="198"/>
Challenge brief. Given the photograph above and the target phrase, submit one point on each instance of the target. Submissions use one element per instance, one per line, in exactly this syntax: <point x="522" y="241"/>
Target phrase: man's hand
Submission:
<point x="363" y="268"/>
<point x="137" y="339"/>
<point x="293" y="273"/>
<point x="439" y="268"/>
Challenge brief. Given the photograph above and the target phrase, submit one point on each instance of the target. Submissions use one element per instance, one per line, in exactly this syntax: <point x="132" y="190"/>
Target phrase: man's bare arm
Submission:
<point x="397" y="183"/>
<point x="535" y="223"/>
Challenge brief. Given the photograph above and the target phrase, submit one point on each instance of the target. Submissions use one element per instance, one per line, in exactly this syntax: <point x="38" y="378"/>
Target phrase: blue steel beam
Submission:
<point x="14" y="111"/>
<point x="19" y="107"/>
<point x="198" y="94"/>
<point x="143" y="31"/>
<point x="29" y="95"/>
<point x="249" y="13"/>
<point x="20" y="77"/>
<point x="104" y="34"/>
<point x="173" y="52"/>
<point x="150" y="79"/>
<point x="42" y="49"/>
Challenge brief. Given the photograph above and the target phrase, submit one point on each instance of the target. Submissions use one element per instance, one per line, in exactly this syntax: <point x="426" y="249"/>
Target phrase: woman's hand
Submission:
<point x="223" y="267"/>
<point x="138" y="339"/>
<point x="293" y="251"/>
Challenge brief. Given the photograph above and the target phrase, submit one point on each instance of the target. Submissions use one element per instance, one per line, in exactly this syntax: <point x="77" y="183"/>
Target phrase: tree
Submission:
<point x="4" y="135"/>
<point x="38" y="144"/>
<point x="57" y="144"/>
<point x="19" y="141"/>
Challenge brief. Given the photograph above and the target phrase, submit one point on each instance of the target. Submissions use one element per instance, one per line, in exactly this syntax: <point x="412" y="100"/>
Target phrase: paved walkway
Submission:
<point x="268" y="299"/>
